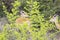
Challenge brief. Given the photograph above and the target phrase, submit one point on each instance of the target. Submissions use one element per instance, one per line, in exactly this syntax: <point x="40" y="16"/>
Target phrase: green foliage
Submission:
<point x="12" y="16"/>
<point x="39" y="12"/>
<point x="14" y="32"/>
<point x="37" y="19"/>
<point x="1" y="10"/>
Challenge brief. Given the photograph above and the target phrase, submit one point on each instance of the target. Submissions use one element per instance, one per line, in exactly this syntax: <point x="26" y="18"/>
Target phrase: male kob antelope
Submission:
<point x="55" y="20"/>
<point x="23" y="18"/>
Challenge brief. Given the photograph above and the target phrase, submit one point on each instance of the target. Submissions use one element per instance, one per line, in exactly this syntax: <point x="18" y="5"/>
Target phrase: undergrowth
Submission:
<point x="39" y="14"/>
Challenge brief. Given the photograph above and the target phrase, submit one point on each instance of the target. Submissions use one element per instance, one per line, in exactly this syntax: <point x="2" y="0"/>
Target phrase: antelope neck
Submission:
<point x="56" y="22"/>
<point x="57" y="25"/>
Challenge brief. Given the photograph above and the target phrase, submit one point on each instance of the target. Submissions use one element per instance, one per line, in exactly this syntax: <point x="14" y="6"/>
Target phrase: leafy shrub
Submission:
<point x="12" y="16"/>
<point x="39" y="13"/>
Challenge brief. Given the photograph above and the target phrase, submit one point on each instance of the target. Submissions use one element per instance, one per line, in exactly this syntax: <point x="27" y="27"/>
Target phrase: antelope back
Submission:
<point x="21" y="20"/>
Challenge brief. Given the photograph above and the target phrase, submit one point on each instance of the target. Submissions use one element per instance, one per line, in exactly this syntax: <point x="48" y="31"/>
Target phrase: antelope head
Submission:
<point x="54" y="18"/>
<point x="23" y="13"/>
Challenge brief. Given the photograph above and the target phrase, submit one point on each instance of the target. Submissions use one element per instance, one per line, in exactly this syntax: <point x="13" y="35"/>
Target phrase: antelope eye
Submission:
<point x="22" y="11"/>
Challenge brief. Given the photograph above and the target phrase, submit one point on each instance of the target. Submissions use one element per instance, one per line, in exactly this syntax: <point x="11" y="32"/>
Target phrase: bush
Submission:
<point x="39" y="12"/>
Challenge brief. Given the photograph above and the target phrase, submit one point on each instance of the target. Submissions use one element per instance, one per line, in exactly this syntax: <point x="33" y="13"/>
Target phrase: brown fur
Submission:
<point x="22" y="20"/>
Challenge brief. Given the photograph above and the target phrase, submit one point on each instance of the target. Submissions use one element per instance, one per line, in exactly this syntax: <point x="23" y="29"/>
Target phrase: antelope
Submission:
<point x="23" y="18"/>
<point x="54" y="19"/>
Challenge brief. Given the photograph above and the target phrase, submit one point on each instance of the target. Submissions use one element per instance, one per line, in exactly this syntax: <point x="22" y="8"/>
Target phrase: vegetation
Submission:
<point x="39" y="12"/>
